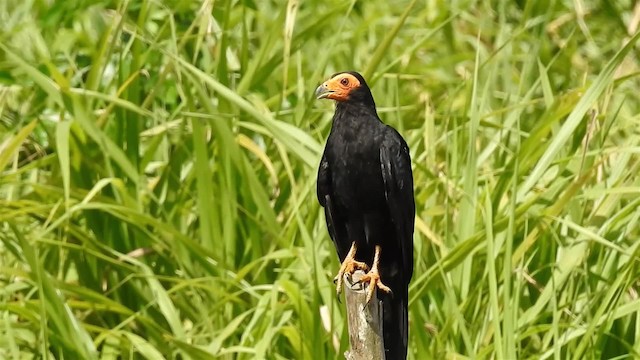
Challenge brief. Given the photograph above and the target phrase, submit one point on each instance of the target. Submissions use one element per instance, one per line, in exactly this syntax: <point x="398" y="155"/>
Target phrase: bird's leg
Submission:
<point x="349" y="266"/>
<point x="373" y="277"/>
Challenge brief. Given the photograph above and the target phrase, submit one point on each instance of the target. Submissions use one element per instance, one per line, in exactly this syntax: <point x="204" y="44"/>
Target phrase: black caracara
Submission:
<point x="365" y="185"/>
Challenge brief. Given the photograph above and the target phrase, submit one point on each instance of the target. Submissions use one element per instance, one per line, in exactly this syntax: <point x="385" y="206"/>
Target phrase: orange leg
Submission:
<point x="373" y="277"/>
<point x="349" y="266"/>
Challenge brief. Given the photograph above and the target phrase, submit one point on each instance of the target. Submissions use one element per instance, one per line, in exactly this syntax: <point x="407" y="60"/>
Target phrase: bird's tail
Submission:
<point x="396" y="325"/>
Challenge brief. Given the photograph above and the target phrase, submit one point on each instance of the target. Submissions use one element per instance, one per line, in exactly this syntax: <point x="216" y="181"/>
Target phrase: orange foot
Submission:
<point x="349" y="266"/>
<point x="373" y="277"/>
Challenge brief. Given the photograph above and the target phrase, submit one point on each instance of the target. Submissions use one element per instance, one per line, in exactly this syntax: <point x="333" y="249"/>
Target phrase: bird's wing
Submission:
<point x="395" y="163"/>
<point x="324" y="180"/>
<point x="335" y="223"/>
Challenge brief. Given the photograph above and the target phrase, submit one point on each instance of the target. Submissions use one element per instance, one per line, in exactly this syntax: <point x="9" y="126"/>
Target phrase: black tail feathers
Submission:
<point x="395" y="326"/>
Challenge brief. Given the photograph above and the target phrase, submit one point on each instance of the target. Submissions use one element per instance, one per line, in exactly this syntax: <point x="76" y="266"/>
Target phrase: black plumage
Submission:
<point x="365" y="185"/>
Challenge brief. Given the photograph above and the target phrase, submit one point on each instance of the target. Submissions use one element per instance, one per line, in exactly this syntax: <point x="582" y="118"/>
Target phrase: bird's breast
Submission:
<point x="355" y="173"/>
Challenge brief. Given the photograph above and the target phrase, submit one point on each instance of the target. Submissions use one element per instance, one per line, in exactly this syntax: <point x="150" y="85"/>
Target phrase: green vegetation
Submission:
<point x="158" y="163"/>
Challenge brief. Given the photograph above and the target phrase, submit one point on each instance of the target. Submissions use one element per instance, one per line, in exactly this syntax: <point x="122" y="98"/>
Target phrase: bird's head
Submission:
<point x="346" y="87"/>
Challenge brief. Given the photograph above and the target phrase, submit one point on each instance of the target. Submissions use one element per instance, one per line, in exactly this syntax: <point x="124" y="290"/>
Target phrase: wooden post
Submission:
<point x="365" y="321"/>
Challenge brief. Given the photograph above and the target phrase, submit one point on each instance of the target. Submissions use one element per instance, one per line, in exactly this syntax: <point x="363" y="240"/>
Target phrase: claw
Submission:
<point x="373" y="278"/>
<point x="349" y="266"/>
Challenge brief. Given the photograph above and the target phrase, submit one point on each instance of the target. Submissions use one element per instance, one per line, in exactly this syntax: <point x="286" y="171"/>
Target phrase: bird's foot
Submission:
<point x="373" y="278"/>
<point x="349" y="266"/>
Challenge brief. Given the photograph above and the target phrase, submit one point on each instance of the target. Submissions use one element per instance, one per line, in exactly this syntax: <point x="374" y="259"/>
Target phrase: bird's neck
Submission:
<point x="352" y="123"/>
<point x="354" y="115"/>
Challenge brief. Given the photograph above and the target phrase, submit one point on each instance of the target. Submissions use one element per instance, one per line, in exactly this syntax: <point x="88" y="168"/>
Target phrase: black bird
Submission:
<point x="365" y="185"/>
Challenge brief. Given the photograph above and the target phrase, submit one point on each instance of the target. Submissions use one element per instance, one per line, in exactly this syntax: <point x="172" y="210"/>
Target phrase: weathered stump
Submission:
<point x="365" y="321"/>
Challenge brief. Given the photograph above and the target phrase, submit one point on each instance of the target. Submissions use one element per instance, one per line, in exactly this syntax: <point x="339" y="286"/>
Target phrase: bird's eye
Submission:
<point x="344" y="81"/>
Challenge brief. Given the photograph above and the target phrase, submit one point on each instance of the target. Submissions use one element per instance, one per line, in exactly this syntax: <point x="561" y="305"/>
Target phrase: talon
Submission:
<point x="349" y="266"/>
<point x="373" y="278"/>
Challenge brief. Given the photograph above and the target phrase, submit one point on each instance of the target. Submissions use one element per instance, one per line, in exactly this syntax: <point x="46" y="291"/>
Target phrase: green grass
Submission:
<point x="158" y="164"/>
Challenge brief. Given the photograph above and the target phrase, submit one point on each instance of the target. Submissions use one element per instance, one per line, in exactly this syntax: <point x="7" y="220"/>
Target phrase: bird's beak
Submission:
<point x="323" y="91"/>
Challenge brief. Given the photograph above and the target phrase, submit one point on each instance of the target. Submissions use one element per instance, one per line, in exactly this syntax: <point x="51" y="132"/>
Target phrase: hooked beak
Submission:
<point x="323" y="91"/>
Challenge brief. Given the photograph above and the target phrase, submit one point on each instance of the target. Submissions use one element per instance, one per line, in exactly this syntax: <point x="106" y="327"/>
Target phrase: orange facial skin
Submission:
<point x="338" y="87"/>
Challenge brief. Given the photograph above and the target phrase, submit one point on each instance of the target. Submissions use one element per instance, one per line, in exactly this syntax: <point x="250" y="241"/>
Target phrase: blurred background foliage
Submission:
<point x="158" y="164"/>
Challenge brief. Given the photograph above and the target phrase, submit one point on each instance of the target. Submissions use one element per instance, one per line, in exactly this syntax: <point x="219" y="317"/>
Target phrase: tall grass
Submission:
<point x="158" y="161"/>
